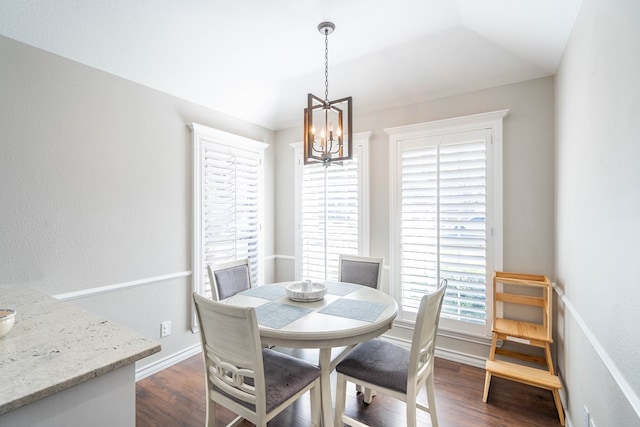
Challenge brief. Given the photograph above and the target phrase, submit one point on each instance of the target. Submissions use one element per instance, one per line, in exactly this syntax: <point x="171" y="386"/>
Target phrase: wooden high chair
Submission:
<point x="517" y="291"/>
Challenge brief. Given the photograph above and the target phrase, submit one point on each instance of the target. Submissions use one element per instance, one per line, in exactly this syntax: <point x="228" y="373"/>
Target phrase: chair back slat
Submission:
<point x="232" y="380"/>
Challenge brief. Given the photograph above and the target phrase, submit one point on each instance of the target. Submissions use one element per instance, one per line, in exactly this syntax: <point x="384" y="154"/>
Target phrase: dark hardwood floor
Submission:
<point x="175" y="397"/>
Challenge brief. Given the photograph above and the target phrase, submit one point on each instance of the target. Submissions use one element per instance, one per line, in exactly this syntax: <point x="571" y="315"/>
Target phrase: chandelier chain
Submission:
<point x="326" y="65"/>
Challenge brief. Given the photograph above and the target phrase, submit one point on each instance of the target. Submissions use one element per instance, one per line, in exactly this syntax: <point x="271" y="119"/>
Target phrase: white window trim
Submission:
<point x="360" y="142"/>
<point x="200" y="133"/>
<point x="493" y="122"/>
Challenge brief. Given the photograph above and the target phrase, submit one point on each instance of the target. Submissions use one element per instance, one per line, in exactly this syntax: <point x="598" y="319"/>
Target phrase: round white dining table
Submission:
<point x="347" y="315"/>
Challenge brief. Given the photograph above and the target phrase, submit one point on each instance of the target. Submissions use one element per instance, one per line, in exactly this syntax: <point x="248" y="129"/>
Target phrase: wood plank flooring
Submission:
<point x="176" y="397"/>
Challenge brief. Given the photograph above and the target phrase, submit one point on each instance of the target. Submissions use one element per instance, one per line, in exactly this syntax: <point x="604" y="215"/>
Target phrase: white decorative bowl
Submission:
<point x="7" y="319"/>
<point x="298" y="292"/>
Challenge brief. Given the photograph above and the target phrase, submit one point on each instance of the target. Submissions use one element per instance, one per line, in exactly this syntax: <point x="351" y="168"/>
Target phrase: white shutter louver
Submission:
<point x="443" y="224"/>
<point x="330" y="217"/>
<point x="230" y="206"/>
<point x="227" y="203"/>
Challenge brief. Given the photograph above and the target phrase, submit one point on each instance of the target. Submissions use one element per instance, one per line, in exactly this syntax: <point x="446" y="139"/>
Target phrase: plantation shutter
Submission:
<point x="443" y="232"/>
<point x="330" y="217"/>
<point x="230" y="207"/>
<point x="227" y="202"/>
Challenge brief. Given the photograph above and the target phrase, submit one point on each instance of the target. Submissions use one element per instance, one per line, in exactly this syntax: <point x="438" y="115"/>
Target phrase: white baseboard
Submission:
<point x="465" y="359"/>
<point x="444" y="353"/>
<point x="168" y="361"/>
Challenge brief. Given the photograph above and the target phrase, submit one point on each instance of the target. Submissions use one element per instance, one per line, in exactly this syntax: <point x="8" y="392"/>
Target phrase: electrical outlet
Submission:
<point x="165" y="329"/>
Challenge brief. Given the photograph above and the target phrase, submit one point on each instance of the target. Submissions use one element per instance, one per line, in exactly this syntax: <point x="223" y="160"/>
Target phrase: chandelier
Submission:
<point x="328" y="135"/>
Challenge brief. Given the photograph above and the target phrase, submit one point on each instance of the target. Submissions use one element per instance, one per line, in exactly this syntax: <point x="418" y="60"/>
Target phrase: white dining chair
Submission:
<point x="229" y="278"/>
<point x="365" y="271"/>
<point x="393" y="370"/>
<point x="254" y="382"/>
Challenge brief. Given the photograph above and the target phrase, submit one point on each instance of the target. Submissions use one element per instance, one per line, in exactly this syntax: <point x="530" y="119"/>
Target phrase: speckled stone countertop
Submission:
<point x="55" y="345"/>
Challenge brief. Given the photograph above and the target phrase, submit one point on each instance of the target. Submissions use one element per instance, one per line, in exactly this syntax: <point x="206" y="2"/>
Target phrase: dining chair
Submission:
<point x="254" y="382"/>
<point x="394" y="370"/>
<point x="365" y="271"/>
<point x="229" y="278"/>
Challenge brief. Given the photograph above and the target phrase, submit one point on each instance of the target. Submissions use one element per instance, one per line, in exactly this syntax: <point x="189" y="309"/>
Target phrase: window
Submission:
<point x="332" y="212"/>
<point x="446" y="216"/>
<point x="227" y="202"/>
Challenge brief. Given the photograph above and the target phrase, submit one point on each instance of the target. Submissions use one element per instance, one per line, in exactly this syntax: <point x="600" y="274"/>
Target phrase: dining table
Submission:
<point x="345" y="316"/>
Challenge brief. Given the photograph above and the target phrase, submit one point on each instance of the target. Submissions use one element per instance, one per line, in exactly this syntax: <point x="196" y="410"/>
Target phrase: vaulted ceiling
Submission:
<point x="258" y="59"/>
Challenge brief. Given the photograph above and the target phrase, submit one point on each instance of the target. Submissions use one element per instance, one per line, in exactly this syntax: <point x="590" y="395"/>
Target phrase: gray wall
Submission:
<point x="95" y="176"/>
<point x="598" y="213"/>
<point x="528" y="181"/>
<point x="95" y="171"/>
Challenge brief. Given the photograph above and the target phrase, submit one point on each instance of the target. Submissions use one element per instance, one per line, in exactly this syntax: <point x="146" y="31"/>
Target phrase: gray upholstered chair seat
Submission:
<point x="284" y="375"/>
<point x="395" y="371"/>
<point x="378" y="362"/>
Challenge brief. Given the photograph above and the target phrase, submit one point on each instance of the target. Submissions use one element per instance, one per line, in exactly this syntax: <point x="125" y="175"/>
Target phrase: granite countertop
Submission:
<point x="54" y="345"/>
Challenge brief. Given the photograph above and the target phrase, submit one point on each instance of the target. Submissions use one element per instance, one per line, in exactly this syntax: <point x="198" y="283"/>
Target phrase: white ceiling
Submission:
<point x="258" y="59"/>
